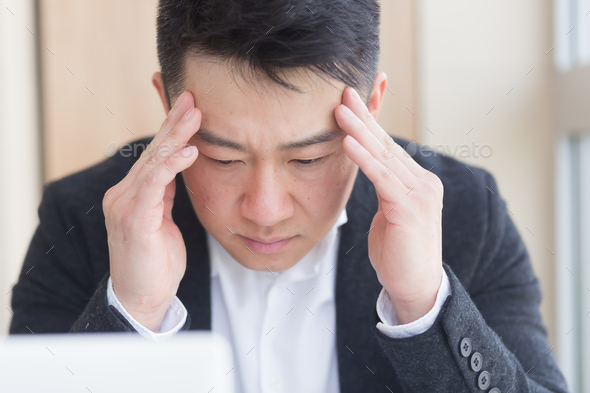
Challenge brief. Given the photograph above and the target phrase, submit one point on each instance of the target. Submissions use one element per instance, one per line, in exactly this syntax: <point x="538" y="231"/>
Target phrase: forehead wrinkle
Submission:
<point x="326" y="135"/>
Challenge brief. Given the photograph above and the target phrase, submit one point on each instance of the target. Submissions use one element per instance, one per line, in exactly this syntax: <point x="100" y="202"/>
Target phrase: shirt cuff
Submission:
<point x="390" y="325"/>
<point x="174" y="318"/>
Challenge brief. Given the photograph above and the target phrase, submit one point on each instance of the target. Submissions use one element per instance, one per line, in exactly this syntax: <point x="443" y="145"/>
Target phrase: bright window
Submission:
<point x="573" y="259"/>
<point x="572" y="34"/>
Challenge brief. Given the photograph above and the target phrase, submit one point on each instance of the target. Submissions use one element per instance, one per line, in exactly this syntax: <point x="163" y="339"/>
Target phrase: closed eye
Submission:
<point x="311" y="161"/>
<point x="306" y="163"/>
<point x="224" y="162"/>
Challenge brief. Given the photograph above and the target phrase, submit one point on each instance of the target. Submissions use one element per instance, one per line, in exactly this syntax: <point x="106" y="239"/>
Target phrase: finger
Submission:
<point x="352" y="100"/>
<point x="184" y="105"/>
<point x="151" y="188"/>
<point x="182" y="122"/>
<point x="387" y="184"/>
<point x="173" y="135"/>
<point x="354" y="127"/>
<point x="168" y="199"/>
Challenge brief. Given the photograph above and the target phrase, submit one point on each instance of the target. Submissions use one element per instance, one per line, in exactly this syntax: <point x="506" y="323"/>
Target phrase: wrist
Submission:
<point x="151" y="322"/>
<point x="410" y="311"/>
<point x="411" y="308"/>
<point x="148" y="315"/>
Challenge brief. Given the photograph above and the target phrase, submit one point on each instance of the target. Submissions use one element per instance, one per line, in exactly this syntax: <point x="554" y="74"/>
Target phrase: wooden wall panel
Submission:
<point x="98" y="58"/>
<point x="398" y="60"/>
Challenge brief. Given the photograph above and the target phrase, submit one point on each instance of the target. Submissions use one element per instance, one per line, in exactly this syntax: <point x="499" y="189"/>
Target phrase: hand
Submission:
<point x="405" y="239"/>
<point x="146" y="249"/>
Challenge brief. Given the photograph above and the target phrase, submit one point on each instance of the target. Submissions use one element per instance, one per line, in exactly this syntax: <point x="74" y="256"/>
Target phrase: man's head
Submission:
<point x="266" y="77"/>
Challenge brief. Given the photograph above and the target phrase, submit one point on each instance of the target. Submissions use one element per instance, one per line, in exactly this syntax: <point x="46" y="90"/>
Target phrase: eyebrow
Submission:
<point x="325" y="135"/>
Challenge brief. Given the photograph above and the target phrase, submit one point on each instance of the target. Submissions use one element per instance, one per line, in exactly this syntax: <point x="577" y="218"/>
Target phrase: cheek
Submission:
<point x="212" y="198"/>
<point x="327" y="193"/>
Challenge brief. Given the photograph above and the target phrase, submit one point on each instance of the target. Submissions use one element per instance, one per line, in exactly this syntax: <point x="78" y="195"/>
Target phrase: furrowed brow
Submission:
<point x="215" y="140"/>
<point x="326" y="135"/>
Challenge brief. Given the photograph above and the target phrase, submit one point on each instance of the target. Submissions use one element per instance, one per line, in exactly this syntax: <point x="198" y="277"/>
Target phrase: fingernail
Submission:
<point x="346" y="110"/>
<point x="356" y="94"/>
<point x="189" y="114"/>
<point x="187" y="151"/>
<point x="179" y="99"/>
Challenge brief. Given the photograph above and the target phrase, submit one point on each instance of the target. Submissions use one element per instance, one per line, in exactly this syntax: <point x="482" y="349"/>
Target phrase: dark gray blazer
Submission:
<point x="494" y="302"/>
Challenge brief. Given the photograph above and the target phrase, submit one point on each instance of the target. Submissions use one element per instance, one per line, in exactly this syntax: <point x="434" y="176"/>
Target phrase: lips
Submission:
<point x="266" y="246"/>
<point x="268" y="241"/>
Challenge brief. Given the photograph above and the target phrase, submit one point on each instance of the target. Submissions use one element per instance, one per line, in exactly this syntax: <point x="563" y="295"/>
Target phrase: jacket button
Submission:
<point x="476" y="361"/>
<point x="495" y="390"/>
<point x="484" y="380"/>
<point x="465" y="347"/>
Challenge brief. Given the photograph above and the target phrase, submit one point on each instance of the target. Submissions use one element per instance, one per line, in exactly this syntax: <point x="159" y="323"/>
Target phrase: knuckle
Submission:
<point x="150" y="178"/>
<point x="149" y="151"/>
<point x="387" y="154"/>
<point x="151" y="160"/>
<point x="386" y="173"/>
<point x="388" y="142"/>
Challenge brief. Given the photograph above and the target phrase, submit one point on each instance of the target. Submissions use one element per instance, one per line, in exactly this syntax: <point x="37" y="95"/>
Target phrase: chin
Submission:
<point x="277" y="262"/>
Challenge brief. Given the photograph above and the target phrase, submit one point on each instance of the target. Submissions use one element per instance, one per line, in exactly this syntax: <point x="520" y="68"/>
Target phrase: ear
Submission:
<point x="376" y="98"/>
<point x="159" y="85"/>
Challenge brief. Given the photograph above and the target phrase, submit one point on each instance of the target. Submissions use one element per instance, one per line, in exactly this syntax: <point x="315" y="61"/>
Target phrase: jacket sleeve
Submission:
<point x="56" y="292"/>
<point x="99" y="316"/>
<point x="491" y="338"/>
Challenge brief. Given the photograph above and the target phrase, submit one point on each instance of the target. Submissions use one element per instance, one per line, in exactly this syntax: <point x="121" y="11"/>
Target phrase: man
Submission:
<point x="322" y="277"/>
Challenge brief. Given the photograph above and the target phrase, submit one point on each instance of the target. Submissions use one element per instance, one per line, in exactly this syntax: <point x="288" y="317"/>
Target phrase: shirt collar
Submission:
<point x="221" y="261"/>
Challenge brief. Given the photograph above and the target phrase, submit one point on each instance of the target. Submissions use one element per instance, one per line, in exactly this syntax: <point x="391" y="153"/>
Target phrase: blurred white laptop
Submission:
<point x="115" y="362"/>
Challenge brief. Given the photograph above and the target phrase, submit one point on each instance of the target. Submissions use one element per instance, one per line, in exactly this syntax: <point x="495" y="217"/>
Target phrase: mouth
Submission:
<point x="266" y="246"/>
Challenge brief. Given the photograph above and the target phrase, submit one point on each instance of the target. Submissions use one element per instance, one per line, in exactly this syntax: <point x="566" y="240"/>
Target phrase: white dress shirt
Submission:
<point x="281" y="325"/>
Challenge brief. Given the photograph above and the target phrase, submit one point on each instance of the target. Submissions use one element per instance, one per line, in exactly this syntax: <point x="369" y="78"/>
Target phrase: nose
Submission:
<point x="267" y="201"/>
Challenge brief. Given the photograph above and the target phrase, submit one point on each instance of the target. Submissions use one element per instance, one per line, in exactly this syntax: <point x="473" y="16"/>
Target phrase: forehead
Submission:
<point x="231" y="101"/>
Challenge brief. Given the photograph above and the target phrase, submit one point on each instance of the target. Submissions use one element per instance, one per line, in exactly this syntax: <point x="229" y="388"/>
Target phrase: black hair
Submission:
<point x="337" y="39"/>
